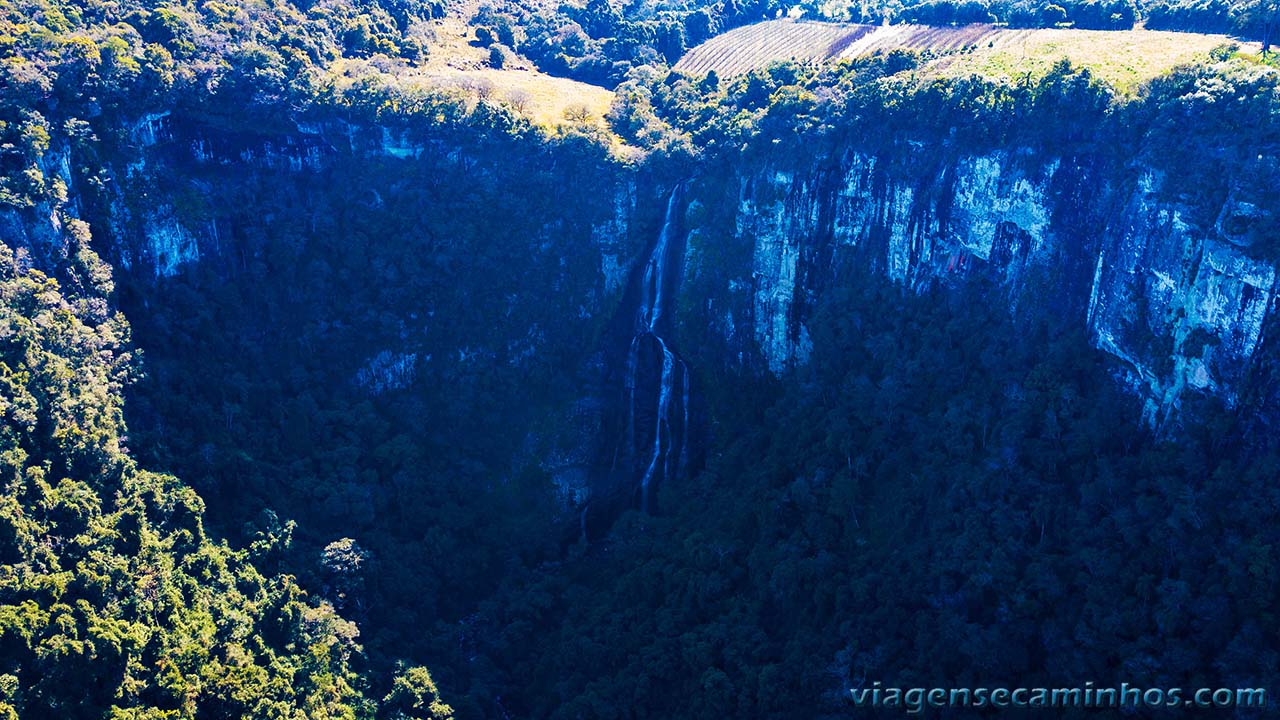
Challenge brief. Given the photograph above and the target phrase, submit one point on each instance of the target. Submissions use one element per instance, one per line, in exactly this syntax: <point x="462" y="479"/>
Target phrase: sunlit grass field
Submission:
<point x="1123" y="58"/>
<point x="547" y="100"/>
<point x="455" y="63"/>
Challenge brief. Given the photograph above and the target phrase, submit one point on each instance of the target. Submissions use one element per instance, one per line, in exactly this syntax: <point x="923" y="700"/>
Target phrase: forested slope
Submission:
<point x="113" y="599"/>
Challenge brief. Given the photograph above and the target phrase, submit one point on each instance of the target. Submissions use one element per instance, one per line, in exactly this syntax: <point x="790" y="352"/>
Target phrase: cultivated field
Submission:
<point x="1122" y="57"/>
<point x="754" y="46"/>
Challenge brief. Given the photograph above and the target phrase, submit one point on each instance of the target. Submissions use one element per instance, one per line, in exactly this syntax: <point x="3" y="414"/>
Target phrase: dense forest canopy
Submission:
<point x="114" y="600"/>
<point x="945" y="493"/>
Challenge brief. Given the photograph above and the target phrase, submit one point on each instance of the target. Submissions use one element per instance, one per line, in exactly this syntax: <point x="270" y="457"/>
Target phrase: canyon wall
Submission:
<point x="1174" y="291"/>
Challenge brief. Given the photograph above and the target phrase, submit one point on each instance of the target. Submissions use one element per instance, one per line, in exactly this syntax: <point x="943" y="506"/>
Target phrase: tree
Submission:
<point x="1265" y="17"/>
<point x="414" y="696"/>
<point x="344" y="562"/>
<point x="1053" y="15"/>
<point x="521" y="100"/>
<point x="497" y="57"/>
<point x="577" y="113"/>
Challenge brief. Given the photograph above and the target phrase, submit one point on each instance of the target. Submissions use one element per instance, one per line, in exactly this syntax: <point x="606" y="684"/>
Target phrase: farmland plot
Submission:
<point x="1123" y="58"/>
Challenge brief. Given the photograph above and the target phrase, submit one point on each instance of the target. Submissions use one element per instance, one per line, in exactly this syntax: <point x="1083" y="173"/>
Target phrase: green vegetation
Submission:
<point x="115" y="602"/>
<point x="456" y="561"/>
<point x="113" y="599"/>
<point x="81" y="77"/>
<point x="1254" y="19"/>
<point x="368" y="382"/>
<point x="946" y="495"/>
<point x="254" y="390"/>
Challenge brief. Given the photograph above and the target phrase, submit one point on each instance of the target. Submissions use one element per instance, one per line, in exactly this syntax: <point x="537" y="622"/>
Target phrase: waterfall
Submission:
<point x="646" y="443"/>
<point x="653" y="286"/>
<point x="658" y="439"/>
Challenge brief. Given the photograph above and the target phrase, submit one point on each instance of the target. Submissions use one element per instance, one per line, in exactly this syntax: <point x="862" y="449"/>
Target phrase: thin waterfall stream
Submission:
<point x="664" y="437"/>
<point x="655" y="384"/>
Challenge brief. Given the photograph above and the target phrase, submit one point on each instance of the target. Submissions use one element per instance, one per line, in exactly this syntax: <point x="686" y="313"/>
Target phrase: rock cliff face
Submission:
<point x="410" y="258"/>
<point x="1170" y="290"/>
<point x="1174" y="289"/>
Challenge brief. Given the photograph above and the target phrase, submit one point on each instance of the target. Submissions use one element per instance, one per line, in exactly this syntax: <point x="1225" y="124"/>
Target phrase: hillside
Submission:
<point x="456" y="60"/>
<point x="547" y="101"/>
<point x="1122" y="57"/>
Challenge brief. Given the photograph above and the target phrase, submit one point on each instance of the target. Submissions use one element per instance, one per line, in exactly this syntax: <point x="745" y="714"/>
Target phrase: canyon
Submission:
<point x="1172" y="290"/>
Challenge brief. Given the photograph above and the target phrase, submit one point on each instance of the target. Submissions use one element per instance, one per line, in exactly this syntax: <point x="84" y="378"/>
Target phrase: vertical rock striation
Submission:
<point x="1178" y="300"/>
